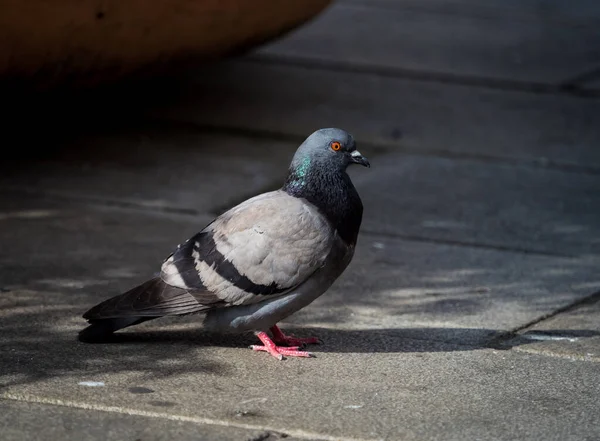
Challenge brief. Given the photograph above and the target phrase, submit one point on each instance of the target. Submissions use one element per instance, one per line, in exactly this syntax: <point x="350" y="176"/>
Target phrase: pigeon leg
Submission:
<point x="277" y="351"/>
<point x="289" y="340"/>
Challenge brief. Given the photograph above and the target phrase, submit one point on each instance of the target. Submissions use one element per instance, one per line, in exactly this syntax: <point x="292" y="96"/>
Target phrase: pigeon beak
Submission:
<point x="357" y="158"/>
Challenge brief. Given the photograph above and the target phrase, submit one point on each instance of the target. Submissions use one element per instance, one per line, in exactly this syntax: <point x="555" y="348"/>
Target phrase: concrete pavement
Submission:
<point x="471" y="308"/>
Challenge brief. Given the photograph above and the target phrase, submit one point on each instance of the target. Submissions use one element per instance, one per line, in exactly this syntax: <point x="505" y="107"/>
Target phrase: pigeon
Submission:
<point x="260" y="261"/>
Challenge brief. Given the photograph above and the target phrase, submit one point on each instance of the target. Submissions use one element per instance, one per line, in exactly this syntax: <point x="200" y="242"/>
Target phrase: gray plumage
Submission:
<point x="262" y="260"/>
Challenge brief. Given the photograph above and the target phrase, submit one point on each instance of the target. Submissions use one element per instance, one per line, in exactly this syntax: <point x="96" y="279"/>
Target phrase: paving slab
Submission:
<point x="464" y="201"/>
<point x="548" y="48"/>
<point x="25" y="421"/>
<point x="536" y="210"/>
<point x="165" y="167"/>
<point x="393" y="112"/>
<point x="52" y="243"/>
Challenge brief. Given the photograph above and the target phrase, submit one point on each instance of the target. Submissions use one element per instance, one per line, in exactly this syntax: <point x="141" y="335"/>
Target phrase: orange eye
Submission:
<point x="335" y="146"/>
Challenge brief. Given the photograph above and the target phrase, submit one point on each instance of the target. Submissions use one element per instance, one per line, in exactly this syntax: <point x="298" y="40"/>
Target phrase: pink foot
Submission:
<point x="289" y="340"/>
<point x="277" y="351"/>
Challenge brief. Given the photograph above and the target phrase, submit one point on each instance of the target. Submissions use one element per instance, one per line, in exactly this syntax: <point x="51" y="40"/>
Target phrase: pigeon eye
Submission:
<point x="335" y="146"/>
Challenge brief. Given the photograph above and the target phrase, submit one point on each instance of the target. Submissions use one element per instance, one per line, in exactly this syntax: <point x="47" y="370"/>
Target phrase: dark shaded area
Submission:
<point x="32" y="349"/>
<point x="395" y="340"/>
<point x="60" y="118"/>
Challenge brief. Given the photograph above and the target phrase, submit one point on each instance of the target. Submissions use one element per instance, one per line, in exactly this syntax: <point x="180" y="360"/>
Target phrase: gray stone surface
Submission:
<point x="28" y="421"/>
<point x="546" y="211"/>
<point x="425" y="117"/>
<point x="547" y="48"/>
<point x="67" y="247"/>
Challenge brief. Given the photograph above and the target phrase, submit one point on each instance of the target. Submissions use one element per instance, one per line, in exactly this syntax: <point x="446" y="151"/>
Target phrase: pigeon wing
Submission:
<point x="265" y="246"/>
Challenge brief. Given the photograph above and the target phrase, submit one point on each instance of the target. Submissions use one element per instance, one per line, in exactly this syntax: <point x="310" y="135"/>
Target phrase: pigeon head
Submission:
<point x="333" y="149"/>
<point x="318" y="174"/>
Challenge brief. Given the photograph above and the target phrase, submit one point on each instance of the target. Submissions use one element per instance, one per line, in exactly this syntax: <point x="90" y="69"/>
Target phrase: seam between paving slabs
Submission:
<point x="150" y="209"/>
<point x="487" y="246"/>
<point x="93" y="200"/>
<point x="498" y="342"/>
<point x="374" y="149"/>
<point x="569" y="89"/>
<point x="173" y="417"/>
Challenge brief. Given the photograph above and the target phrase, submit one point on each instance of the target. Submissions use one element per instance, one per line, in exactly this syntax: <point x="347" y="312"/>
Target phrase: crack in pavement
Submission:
<point x="487" y="246"/>
<point x="498" y="342"/>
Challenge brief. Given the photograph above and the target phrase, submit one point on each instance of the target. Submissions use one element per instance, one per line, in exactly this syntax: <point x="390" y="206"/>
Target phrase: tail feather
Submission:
<point x="103" y="329"/>
<point x="150" y="300"/>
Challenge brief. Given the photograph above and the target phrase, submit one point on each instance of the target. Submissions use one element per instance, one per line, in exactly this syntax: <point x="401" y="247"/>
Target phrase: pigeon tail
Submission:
<point x="152" y="299"/>
<point x="101" y="330"/>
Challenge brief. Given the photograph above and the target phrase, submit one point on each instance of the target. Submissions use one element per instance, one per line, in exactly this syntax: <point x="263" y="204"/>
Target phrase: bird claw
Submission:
<point x="278" y="352"/>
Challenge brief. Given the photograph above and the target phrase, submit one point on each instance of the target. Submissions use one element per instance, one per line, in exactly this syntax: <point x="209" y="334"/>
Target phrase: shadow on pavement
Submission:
<point x="36" y="345"/>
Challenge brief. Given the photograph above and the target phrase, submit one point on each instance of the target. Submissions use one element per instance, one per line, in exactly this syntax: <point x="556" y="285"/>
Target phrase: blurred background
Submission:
<point x="471" y="307"/>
